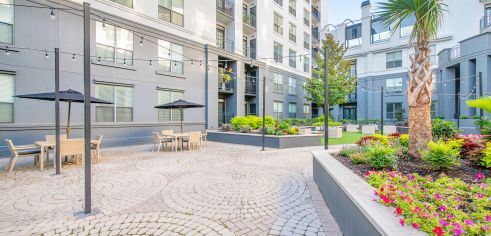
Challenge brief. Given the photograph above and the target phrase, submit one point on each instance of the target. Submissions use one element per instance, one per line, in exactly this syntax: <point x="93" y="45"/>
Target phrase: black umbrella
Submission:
<point x="179" y="104"/>
<point x="69" y="96"/>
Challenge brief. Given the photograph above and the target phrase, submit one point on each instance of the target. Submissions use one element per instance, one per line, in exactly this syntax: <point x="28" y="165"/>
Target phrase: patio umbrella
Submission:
<point x="179" y="104"/>
<point x="69" y="96"/>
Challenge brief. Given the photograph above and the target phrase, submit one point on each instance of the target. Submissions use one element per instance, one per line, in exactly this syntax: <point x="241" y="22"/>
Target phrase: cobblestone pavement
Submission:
<point x="222" y="190"/>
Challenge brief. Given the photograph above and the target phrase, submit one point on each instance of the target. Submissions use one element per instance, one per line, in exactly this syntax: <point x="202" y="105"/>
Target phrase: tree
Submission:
<point x="341" y="81"/>
<point x="428" y="16"/>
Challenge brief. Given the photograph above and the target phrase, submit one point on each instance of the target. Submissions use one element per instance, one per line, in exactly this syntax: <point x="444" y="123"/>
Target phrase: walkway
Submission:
<point x="222" y="190"/>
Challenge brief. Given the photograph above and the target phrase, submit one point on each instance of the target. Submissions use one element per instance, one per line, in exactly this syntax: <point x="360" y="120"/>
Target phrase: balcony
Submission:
<point x="486" y="22"/>
<point x="316" y="16"/>
<point x="454" y="52"/>
<point x="250" y="52"/>
<point x="249" y="21"/>
<point x="225" y="11"/>
<point x="225" y="86"/>
<point x="315" y="36"/>
<point x="250" y="87"/>
<point x="226" y="45"/>
<point x="351" y="43"/>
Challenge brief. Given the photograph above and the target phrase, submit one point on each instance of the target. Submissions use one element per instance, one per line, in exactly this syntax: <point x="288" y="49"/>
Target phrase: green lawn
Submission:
<point x="348" y="138"/>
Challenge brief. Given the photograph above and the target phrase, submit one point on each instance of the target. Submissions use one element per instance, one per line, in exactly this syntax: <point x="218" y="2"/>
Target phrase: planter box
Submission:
<point x="350" y="200"/>
<point x="335" y="132"/>
<point x="271" y="141"/>
<point x="390" y="129"/>
<point x="368" y="129"/>
<point x="352" y="128"/>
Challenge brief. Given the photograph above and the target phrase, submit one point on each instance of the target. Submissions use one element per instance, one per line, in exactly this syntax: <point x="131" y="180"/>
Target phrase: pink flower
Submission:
<point x="480" y="176"/>
<point x="488" y="218"/>
<point x="443" y="222"/>
<point x="412" y="177"/>
<point x="480" y="196"/>
<point x="486" y="228"/>
<point x="443" y="208"/>
<point x="385" y="199"/>
<point x="438" y="231"/>
<point x="392" y="175"/>
<point x="483" y="185"/>
<point x="457" y="231"/>
<point x="437" y="196"/>
<point x="399" y="211"/>
<point x="416" y="225"/>
<point x="402" y="222"/>
<point x="375" y="192"/>
<point x="469" y="222"/>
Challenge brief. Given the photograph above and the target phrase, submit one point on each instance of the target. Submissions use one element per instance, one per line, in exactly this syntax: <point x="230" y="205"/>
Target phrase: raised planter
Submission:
<point x="287" y="141"/>
<point x="368" y="129"/>
<point x="335" y="132"/>
<point x="390" y="129"/>
<point x="352" y="128"/>
<point x="350" y="200"/>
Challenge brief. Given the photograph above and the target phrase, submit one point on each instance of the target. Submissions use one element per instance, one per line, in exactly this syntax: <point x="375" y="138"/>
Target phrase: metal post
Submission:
<point x="206" y="86"/>
<point x="326" y="100"/>
<point x="57" y="110"/>
<point x="87" y="125"/>
<point x="382" y="110"/>
<point x="480" y="81"/>
<point x="264" y="112"/>
<point x="457" y="98"/>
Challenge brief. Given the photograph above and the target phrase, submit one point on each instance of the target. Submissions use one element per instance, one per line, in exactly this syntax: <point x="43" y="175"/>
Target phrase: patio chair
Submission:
<point x="95" y="147"/>
<point x="167" y="132"/>
<point x="204" y="136"/>
<point x="72" y="147"/>
<point x="52" y="138"/>
<point x="194" y="140"/>
<point x="21" y="151"/>
<point x="159" y="140"/>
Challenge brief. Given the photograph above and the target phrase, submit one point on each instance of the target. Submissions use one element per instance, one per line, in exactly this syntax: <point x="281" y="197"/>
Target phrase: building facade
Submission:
<point x="381" y="60"/>
<point x="145" y="53"/>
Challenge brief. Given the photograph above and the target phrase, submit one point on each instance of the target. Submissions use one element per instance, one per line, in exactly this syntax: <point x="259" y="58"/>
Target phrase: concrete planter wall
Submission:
<point x="335" y="132"/>
<point x="350" y="200"/>
<point x="290" y="141"/>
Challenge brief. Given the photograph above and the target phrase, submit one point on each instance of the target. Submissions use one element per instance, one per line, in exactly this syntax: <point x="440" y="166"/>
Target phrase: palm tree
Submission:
<point x="428" y="15"/>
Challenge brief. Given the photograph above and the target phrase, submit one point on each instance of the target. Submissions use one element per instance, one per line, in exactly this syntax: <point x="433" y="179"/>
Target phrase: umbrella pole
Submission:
<point x="68" y="121"/>
<point x="181" y="119"/>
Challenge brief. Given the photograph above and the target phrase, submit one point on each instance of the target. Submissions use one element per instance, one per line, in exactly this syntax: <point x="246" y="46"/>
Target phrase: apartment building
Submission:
<point x="382" y="60"/>
<point x="146" y="53"/>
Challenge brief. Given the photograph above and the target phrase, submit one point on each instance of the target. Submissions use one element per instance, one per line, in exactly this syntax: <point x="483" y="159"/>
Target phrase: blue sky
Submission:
<point x="339" y="10"/>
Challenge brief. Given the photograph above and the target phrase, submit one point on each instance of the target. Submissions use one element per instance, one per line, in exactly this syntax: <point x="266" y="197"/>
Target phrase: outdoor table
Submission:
<point x="179" y="137"/>
<point x="44" y="145"/>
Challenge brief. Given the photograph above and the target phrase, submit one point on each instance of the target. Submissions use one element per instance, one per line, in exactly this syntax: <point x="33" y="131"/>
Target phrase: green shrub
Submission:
<point x="404" y="140"/>
<point x="239" y="121"/>
<point x="270" y="131"/>
<point x="359" y="158"/>
<point x="486" y="159"/>
<point x="269" y="121"/>
<point x="380" y="156"/>
<point x="443" y="129"/>
<point x="441" y="154"/>
<point x="226" y="127"/>
<point x="255" y="122"/>
<point x="284" y="125"/>
<point x="245" y="129"/>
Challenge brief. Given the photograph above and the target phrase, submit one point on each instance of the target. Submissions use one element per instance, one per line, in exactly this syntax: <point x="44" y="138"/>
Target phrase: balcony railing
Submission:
<point x="250" y="52"/>
<point x="292" y="11"/>
<point x="250" y="20"/>
<point x="315" y="34"/>
<point x="485" y="21"/>
<point x="316" y="14"/>
<point x="226" y="6"/>
<point x="226" y="45"/>
<point x="455" y="52"/>
<point x="250" y="86"/>
<point x="353" y="43"/>
<point x="225" y="86"/>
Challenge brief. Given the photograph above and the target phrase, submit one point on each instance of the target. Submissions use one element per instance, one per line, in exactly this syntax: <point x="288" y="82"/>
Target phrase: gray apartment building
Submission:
<point x="146" y="53"/>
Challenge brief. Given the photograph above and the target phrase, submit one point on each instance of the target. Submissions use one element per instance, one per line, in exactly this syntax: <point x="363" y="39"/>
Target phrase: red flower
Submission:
<point x="416" y="225"/>
<point x="399" y="211"/>
<point x="402" y="222"/>
<point x="438" y="231"/>
<point x="385" y="198"/>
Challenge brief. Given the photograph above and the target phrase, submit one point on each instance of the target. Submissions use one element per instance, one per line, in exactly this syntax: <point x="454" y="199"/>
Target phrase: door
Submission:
<point x="220" y="37"/>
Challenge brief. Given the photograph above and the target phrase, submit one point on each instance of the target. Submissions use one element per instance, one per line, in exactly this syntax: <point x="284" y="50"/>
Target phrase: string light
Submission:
<point x="103" y="24"/>
<point x="53" y="16"/>
<point x="141" y="42"/>
<point x="46" y="54"/>
<point x="150" y="63"/>
<point x="73" y="57"/>
<point x="7" y="52"/>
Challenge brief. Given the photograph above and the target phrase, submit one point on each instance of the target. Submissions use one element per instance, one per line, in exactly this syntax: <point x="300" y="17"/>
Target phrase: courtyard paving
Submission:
<point x="222" y="190"/>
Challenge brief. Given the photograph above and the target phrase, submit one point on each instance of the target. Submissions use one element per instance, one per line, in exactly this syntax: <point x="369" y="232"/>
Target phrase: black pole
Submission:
<point x="57" y="110"/>
<point x="206" y="86"/>
<point x="457" y="98"/>
<point x="382" y="110"/>
<point x="264" y="112"/>
<point x="480" y="81"/>
<point x="326" y="100"/>
<point x="87" y="125"/>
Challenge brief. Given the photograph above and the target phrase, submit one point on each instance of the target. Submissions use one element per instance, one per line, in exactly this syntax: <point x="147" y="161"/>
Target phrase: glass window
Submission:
<point x="172" y="11"/>
<point x="433" y="55"/>
<point x="306" y="110"/>
<point x="293" y="7"/>
<point x="166" y="96"/>
<point x="391" y="110"/>
<point x="114" y="44"/>
<point x="292" y="32"/>
<point x="126" y="3"/>
<point x="393" y="86"/>
<point x="278" y="23"/>
<point x="280" y="2"/>
<point x="278" y="110"/>
<point x="6" y="98"/>
<point x="292" y="110"/>
<point x="353" y="68"/>
<point x="407" y="26"/>
<point x="171" y="57"/>
<point x="306" y="41"/>
<point x="292" y="86"/>
<point x="394" y="59"/>
<point x="292" y="55"/>
<point x="278" y="83"/>
<point x="220" y="37"/>
<point x="306" y="64"/>
<point x="380" y="31"/>
<point x="353" y="35"/>
<point x="306" y="17"/>
<point x="278" y="52"/>
<point x="121" y="110"/>
<point x="6" y="22"/>
<point x="433" y="109"/>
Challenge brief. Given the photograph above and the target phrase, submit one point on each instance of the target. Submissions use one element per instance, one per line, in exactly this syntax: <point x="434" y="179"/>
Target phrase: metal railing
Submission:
<point x="225" y="86"/>
<point x="292" y="11"/>
<point x="316" y="14"/>
<point x="315" y="33"/>
<point x="485" y="21"/>
<point x="249" y="52"/>
<point x="454" y="52"/>
<point x="226" y="45"/>
<point x="250" y="86"/>
<point x="249" y="19"/>
<point x="353" y="43"/>
<point x="226" y="6"/>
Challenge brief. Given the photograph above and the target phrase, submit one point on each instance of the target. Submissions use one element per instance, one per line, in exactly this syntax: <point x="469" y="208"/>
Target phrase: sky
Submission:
<point x="339" y="10"/>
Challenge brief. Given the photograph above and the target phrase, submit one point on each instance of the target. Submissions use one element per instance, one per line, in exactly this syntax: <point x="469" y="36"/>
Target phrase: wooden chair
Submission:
<point x="194" y="140"/>
<point x="95" y="147"/>
<point x="167" y="132"/>
<point x="21" y="151"/>
<point x="159" y="140"/>
<point x="72" y="147"/>
<point x="52" y="138"/>
<point x="204" y="136"/>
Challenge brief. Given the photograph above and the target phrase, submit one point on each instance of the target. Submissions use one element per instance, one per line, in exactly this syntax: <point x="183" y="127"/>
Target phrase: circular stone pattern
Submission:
<point x="300" y="220"/>
<point x="236" y="192"/>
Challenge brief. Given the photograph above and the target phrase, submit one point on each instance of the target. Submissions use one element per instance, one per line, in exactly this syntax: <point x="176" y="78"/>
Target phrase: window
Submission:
<point x="433" y="109"/>
<point x="292" y="110"/>
<point x="353" y="69"/>
<point x="306" y="110"/>
<point x="6" y="98"/>
<point x="278" y="52"/>
<point x="380" y="31"/>
<point x="306" y="41"/>
<point x="394" y="59"/>
<point x="220" y="37"/>
<point x="292" y="86"/>
<point x="278" y="23"/>
<point x="292" y="55"/>
<point x="353" y="35"/>
<point x="394" y="86"/>
<point x="407" y="26"/>
<point x="392" y="109"/>
<point x="278" y="83"/>
<point x="292" y="33"/>
<point x="279" y="2"/>
<point x="7" y="22"/>
<point x="114" y="44"/>
<point x="166" y="96"/>
<point x="121" y="96"/>
<point x="278" y="110"/>
<point x="172" y="11"/>
<point x="171" y="57"/>
<point x="293" y="7"/>
<point x="244" y="46"/>
<point x="306" y="17"/>
<point x="126" y="3"/>
<point x="306" y="64"/>
<point x="433" y="58"/>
